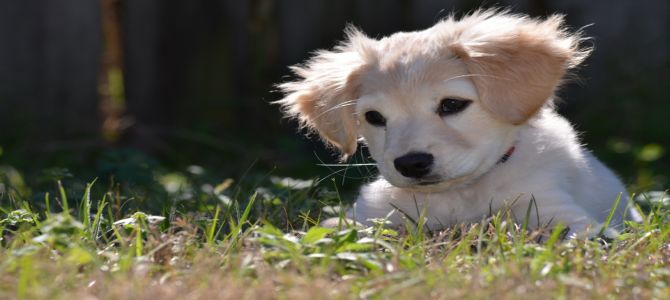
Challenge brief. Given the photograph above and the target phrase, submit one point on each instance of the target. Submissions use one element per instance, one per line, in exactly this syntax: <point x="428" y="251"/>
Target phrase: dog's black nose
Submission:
<point x="414" y="165"/>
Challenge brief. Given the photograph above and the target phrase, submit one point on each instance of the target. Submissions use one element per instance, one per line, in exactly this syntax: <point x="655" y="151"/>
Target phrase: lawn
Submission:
<point x="185" y="235"/>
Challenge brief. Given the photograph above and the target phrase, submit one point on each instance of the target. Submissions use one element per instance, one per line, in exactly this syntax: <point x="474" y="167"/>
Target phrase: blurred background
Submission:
<point x="126" y="88"/>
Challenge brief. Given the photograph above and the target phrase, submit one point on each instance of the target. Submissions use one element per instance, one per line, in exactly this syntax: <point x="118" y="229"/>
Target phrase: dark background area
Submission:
<point x="192" y="82"/>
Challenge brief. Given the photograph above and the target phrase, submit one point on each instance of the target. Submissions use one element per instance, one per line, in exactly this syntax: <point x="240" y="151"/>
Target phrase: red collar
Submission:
<point x="507" y="154"/>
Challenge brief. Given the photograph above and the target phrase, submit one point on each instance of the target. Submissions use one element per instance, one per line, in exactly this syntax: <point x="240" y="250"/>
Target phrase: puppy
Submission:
<point x="459" y="118"/>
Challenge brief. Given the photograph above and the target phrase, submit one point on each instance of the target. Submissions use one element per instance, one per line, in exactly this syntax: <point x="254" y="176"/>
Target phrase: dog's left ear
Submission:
<point x="324" y="97"/>
<point x="516" y="63"/>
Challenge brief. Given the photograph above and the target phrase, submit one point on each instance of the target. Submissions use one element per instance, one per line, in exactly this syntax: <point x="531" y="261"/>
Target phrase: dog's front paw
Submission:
<point x="591" y="231"/>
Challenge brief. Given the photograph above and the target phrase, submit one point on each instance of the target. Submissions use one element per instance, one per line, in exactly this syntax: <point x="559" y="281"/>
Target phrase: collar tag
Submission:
<point x="507" y="154"/>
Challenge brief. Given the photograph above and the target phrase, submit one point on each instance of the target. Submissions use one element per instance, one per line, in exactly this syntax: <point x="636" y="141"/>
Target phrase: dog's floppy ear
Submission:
<point x="515" y="62"/>
<point x="323" y="99"/>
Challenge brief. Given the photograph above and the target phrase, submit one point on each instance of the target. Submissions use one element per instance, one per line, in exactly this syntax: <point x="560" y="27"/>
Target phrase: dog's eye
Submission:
<point x="449" y="106"/>
<point x="375" y="118"/>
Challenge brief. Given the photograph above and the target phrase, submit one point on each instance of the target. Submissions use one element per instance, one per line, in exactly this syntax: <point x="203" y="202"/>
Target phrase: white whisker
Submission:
<point x="474" y="75"/>
<point x="341" y="105"/>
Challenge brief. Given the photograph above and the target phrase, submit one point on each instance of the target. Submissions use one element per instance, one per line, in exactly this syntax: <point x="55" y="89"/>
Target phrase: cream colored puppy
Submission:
<point x="459" y="118"/>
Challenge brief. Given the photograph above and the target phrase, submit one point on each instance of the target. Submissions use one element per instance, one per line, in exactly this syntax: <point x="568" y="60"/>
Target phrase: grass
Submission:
<point x="230" y="241"/>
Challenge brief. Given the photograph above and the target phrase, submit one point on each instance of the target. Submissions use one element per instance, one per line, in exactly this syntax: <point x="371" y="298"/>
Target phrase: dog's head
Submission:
<point x="437" y="107"/>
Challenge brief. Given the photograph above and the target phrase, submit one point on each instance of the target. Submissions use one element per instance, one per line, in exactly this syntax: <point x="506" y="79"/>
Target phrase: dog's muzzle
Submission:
<point x="414" y="165"/>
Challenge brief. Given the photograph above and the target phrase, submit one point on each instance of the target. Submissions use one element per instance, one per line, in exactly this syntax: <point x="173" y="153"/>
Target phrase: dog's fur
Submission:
<point x="509" y="66"/>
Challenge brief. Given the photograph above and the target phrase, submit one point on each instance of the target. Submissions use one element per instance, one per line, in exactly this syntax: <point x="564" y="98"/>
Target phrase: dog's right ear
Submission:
<point x="324" y="97"/>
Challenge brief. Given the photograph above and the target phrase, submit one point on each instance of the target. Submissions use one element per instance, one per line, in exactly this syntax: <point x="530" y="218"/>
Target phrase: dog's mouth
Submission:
<point x="439" y="183"/>
<point x="429" y="182"/>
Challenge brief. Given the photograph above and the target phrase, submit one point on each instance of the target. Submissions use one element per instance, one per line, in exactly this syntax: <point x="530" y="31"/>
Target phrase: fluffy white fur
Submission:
<point x="509" y="67"/>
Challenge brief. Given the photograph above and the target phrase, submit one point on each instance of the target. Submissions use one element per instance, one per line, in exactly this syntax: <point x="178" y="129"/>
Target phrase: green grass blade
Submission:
<point x="86" y="207"/>
<point x="138" y="239"/>
<point x="63" y="198"/>
<point x="247" y="210"/>
<point x="526" y="219"/>
<point x="47" y="210"/>
<point x="555" y="235"/>
<point x="98" y="218"/>
<point x="610" y="216"/>
<point x="211" y="230"/>
<point x="236" y="227"/>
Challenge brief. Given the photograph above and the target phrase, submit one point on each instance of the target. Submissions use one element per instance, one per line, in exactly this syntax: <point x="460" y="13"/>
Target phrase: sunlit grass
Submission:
<point x="222" y="241"/>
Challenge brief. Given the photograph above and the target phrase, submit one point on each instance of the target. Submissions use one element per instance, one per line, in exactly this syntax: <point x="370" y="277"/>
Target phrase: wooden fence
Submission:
<point x="210" y="64"/>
